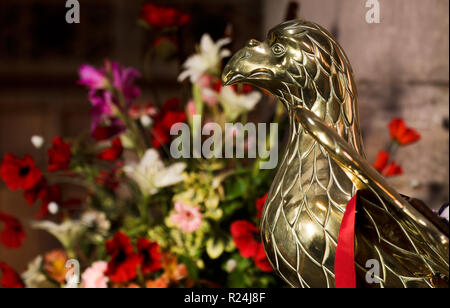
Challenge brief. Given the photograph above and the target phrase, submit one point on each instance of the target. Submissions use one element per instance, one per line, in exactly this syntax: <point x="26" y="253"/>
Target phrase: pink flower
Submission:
<point x="210" y="97"/>
<point x="188" y="218"/>
<point x="93" y="78"/>
<point x="94" y="277"/>
<point x="205" y="81"/>
<point x="209" y="89"/>
<point x="190" y="108"/>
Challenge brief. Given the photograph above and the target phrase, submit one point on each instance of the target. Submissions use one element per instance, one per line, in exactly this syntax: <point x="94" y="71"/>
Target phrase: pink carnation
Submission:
<point x="94" y="277"/>
<point x="188" y="218"/>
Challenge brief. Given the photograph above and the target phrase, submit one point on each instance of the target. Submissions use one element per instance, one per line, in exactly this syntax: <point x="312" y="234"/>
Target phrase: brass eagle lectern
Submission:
<point x="324" y="165"/>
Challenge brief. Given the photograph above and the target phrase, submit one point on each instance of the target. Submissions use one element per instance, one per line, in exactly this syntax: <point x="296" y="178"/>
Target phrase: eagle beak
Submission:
<point x="248" y="65"/>
<point x="232" y="72"/>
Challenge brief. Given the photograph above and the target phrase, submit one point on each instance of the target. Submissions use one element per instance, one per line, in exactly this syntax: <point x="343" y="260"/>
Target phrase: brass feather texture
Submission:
<point x="324" y="165"/>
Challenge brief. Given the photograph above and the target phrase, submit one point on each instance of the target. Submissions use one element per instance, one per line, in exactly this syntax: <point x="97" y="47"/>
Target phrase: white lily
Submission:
<point x="235" y="104"/>
<point x="33" y="276"/>
<point x="151" y="174"/>
<point x="67" y="232"/>
<point x="207" y="60"/>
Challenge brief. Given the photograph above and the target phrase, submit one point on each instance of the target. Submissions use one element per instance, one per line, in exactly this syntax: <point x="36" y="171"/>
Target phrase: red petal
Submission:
<point x="244" y="233"/>
<point x="381" y="161"/>
<point x="10" y="279"/>
<point x="393" y="170"/>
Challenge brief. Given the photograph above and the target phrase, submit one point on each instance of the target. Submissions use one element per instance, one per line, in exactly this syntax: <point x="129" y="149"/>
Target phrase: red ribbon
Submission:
<point x="344" y="263"/>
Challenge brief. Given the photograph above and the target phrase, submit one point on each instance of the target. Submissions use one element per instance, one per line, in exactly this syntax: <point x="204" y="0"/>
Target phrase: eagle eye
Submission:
<point x="278" y="50"/>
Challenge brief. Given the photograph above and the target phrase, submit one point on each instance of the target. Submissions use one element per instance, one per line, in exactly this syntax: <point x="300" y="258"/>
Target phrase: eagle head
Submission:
<point x="302" y="64"/>
<point x="299" y="61"/>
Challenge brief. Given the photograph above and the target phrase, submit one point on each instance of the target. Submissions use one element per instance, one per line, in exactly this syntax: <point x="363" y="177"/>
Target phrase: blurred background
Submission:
<point x="401" y="67"/>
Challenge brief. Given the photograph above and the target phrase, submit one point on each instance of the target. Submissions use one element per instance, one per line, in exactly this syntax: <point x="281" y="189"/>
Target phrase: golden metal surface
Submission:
<point x="323" y="167"/>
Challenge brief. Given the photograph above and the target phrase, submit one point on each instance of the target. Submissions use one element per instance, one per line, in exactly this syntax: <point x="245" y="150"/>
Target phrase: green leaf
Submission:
<point x="236" y="280"/>
<point x="191" y="266"/>
<point x="231" y="207"/>
<point x="243" y="263"/>
<point x="236" y="189"/>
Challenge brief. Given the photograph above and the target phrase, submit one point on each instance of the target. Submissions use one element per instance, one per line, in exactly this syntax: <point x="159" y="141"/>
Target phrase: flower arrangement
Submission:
<point x="146" y="220"/>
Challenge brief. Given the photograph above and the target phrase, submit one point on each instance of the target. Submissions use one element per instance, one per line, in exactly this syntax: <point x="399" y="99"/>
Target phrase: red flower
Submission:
<point x="170" y="114"/>
<point x="137" y="110"/>
<point x="217" y="86"/>
<point x="36" y="192"/>
<point x="150" y="256"/>
<point x="173" y="117"/>
<point x="401" y="133"/>
<point x="19" y="173"/>
<point x="10" y="279"/>
<point x="247" y="240"/>
<point x="160" y="136"/>
<point x="124" y="262"/>
<point x="245" y="237"/>
<point x="381" y="161"/>
<point x="242" y="89"/>
<point x="107" y="179"/>
<point x="59" y="155"/>
<point x="162" y="17"/>
<point x="46" y="194"/>
<point x="105" y="132"/>
<point x="50" y="194"/>
<point x="261" y="260"/>
<point x="12" y="235"/>
<point x="112" y="153"/>
<point x="393" y="170"/>
<point x="381" y="164"/>
<point x="171" y="104"/>
<point x="260" y="205"/>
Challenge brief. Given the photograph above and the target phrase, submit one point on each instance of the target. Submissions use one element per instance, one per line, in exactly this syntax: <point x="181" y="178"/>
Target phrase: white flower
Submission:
<point x="234" y="104"/>
<point x="231" y="265"/>
<point x="67" y="233"/>
<point x="33" y="276"/>
<point x="37" y="141"/>
<point x="53" y="208"/>
<point x="146" y="121"/>
<point x="207" y="60"/>
<point x="96" y="220"/>
<point x="151" y="174"/>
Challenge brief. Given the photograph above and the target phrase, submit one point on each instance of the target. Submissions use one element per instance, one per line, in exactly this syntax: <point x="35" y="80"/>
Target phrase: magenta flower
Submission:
<point x="93" y="78"/>
<point x="106" y="87"/>
<point x="101" y="106"/>
<point x="124" y="81"/>
<point x="188" y="218"/>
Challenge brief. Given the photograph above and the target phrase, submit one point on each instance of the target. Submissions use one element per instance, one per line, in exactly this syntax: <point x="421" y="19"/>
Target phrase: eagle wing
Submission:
<point x="411" y="250"/>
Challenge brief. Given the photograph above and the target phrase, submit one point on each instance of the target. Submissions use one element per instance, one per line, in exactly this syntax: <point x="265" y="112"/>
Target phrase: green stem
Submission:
<point x="136" y="136"/>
